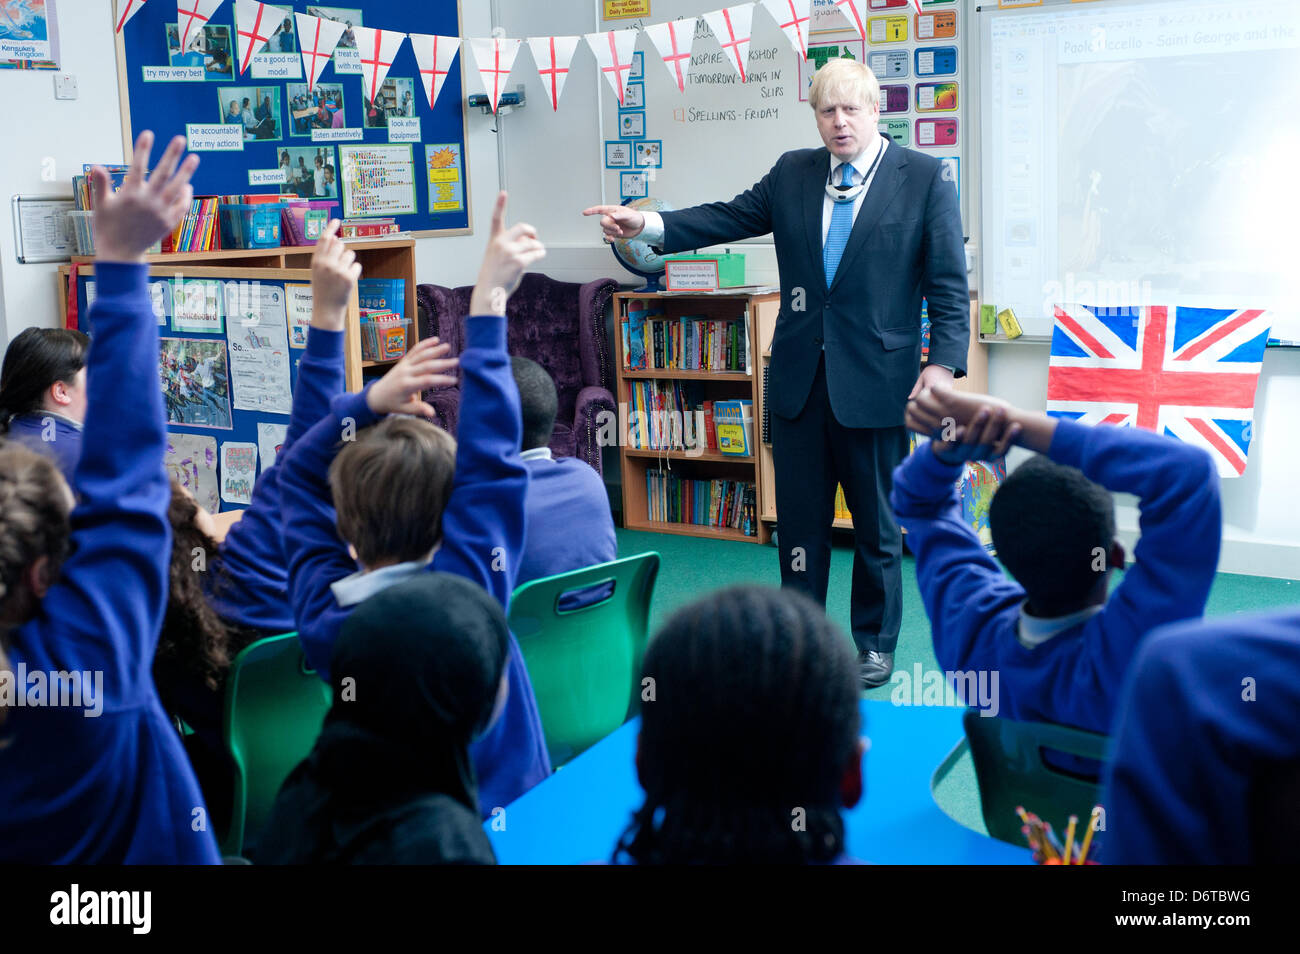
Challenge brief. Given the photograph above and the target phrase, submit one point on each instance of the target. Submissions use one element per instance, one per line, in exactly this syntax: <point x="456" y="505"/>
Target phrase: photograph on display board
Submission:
<point x="310" y="171"/>
<point x="257" y="108"/>
<point x="348" y="16"/>
<point x="209" y="48"/>
<point x="283" y="40"/>
<point x="195" y="382"/>
<point x="318" y="108"/>
<point x="396" y="97"/>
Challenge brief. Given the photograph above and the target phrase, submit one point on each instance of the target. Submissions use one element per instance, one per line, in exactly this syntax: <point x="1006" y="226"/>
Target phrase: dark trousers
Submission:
<point x="812" y="453"/>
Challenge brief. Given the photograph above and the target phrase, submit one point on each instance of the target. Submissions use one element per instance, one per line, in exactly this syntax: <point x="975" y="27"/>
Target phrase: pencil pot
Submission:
<point x="251" y="226"/>
<point x="305" y="219"/>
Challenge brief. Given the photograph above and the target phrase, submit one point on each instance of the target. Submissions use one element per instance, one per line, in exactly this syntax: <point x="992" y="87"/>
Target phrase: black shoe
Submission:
<point x="874" y="668"/>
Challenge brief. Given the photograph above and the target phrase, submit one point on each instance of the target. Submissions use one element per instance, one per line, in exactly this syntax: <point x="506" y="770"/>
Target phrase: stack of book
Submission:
<point x="720" y="504"/>
<point x="383" y="335"/>
<point x="368" y="228"/>
<point x="198" y="231"/>
<point x="382" y="294"/>
<point x="652" y="341"/>
<point x="674" y="416"/>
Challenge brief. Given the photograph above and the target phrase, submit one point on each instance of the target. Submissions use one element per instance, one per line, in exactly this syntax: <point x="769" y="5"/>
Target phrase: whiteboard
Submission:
<point x="1140" y="152"/>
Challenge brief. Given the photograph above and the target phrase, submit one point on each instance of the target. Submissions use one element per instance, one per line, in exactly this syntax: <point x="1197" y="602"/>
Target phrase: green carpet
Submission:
<point x="692" y="566"/>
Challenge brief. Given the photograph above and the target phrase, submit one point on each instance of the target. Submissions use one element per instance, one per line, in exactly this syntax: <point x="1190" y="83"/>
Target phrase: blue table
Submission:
<point x="577" y="814"/>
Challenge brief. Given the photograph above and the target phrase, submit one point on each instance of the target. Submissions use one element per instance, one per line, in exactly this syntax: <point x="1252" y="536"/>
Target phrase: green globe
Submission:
<point x="638" y="257"/>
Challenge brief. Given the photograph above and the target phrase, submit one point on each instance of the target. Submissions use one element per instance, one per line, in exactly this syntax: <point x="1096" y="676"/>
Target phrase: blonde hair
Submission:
<point x="846" y="81"/>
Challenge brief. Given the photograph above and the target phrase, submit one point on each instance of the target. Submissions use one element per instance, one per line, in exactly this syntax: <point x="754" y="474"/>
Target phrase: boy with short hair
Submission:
<point x="409" y="500"/>
<point x="1060" y="647"/>
<point x="569" y="523"/>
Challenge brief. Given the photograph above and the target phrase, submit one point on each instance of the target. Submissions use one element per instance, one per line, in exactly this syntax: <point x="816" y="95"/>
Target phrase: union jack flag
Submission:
<point x="1188" y="373"/>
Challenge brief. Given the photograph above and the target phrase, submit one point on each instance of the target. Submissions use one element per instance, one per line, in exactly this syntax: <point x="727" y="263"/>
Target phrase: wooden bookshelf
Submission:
<point x="382" y="257"/>
<point x="762" y="309"/>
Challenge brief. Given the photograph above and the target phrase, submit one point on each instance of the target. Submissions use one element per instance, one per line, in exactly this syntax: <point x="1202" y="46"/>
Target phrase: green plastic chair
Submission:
<point x="1009" y="766"/>
<point x="585" y="664"/>
<point x="273" y="713"/>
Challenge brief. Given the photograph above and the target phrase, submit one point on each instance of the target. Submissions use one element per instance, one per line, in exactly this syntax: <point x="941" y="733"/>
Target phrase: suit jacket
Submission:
<point x="906" y="244"/>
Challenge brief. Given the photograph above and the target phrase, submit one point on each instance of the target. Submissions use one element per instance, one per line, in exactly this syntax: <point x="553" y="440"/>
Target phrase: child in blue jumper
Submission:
<point x="43" y="393"/>
<point x="93" y="771"/>
<point x="239" y="594"/>
<point x="1205" y="767"/>
<point x="409" y="500"/>
<point x="569" y="523"/>
<point x="1059" y="648"/>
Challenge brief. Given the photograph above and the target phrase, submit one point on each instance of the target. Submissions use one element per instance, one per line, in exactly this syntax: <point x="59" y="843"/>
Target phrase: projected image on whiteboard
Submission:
<point x="1142" y="154"/>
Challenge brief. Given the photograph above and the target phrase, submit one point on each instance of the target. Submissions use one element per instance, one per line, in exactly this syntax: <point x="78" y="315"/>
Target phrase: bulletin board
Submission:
<point x="169" y="106"/>
<point x="227" y="373"/>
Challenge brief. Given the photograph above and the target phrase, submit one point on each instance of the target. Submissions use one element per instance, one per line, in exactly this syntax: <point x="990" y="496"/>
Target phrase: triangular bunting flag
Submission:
<point x="793" y="17"/>
<point x="734" y="28"/>
<point x="434" y="56"/>
<point x="495" y="57"/>
<point x="553" y="54"/>
<point x="255" y="22"/>
<point x="378" y="49"/>
<point x="193" y="15"/>
<point x="126" y="9"/>
<point x="917" y="5"/>
<point x="854" y="11"/>
<point x="673" y="41"/>
<point x="317" y="38"/>
<point x="614" y="55"/>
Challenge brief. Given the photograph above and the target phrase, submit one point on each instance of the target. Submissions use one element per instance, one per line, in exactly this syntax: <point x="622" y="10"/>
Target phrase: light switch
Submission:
<point x="65" y="86"/>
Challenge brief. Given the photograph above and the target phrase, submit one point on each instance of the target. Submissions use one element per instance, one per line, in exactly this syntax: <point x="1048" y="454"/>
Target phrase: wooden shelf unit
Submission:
<point x="762" y="309"/>
<point x="385" y="257"/>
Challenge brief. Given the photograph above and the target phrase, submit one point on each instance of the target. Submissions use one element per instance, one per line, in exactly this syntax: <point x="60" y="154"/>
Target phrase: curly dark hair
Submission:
<point x="754" y="718"/>
<point x="194" y="641"/>
<point x="34" y="511"/>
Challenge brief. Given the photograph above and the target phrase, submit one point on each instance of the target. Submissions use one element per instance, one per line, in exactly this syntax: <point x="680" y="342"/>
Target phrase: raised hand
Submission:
<point x="334" y="274"/>
<point x="146" y="207"/>
<point x="940" y="408"/>
<point x="618" y="221"/>
<point x="425" y="366"/>
<point x="510" y="251"/>
<point x="986" y="437"/>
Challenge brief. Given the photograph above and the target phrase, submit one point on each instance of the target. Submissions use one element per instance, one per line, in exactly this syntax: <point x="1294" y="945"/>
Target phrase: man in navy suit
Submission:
<point x="864" y="229"/>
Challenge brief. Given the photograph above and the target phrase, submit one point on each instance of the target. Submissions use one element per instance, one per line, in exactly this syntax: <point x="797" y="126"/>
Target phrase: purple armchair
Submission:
<point x="561" y="326"/>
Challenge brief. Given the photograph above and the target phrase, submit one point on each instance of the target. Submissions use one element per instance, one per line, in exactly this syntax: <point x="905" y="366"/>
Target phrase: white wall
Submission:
<point x="70" y="132"/>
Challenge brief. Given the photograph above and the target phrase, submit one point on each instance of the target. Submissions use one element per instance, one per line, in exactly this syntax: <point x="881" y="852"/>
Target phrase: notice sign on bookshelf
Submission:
<point x="693" y="275"/>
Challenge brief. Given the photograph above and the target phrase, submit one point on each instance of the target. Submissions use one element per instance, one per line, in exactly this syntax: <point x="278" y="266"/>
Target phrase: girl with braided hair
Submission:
<point x="749" y="742"/>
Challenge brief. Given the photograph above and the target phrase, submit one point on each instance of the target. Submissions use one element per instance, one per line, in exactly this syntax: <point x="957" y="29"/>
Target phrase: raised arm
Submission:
<point x="483" y="526"/>
<point x="105" y="611"/>
<point x="962" y="587"/>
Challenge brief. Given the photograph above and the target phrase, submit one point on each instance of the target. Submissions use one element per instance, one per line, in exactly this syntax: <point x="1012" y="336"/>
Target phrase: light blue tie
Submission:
<point x="841" y="225"/>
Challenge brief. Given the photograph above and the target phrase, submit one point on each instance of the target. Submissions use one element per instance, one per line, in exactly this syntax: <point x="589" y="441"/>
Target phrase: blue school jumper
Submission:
<point x="55" y="436"/>
<point x="113" y="787"/>
<point x="1069" y="670"/>
<point x="251" y="585"/>
<point x="569" y="523"/>
<point x="482" y="538"/>
<point x="1207" y="705"/>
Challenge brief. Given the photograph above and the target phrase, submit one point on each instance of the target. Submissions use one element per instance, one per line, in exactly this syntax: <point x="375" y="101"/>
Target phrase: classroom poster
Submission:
<point x="297" y="299"/>
<point x="29" y="33"/>
<point x="259" y="349"/>
<point x="270" y="441"/>
<point x="196" y="306"/>
<point x="238" y="472"/>
<point x="192" y="460"/>
<point x="378" y="180"/>
<point x="195" y="382"/>
<point x="446" y="178"/>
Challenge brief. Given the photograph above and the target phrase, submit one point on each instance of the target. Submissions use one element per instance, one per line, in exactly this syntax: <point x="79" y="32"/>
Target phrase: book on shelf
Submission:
<point x="734" y="423"/>
<point x="976" y="486"/>
<point x="766" y="436"/>
<point x="383" y="335"/>
<point x="382" y="294"/>
<point x="368" y="228"/>
<point x="718" y="504"/>
<point x="652" y="341"/>
<point x="197" y="230"/>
